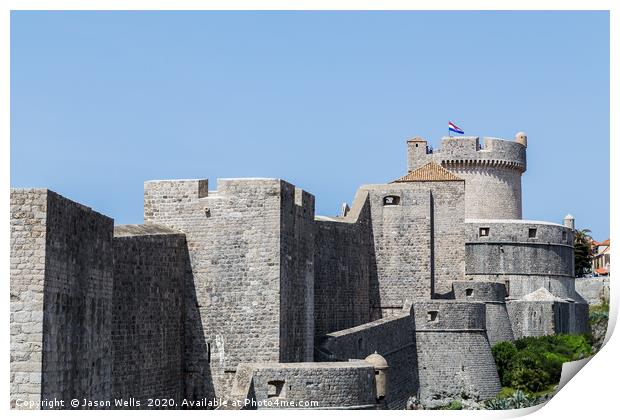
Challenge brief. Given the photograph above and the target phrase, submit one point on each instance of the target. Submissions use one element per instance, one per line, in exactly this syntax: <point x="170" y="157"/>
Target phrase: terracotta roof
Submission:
<point x="604" y="243"/>
<point x="429" y="172"/>
<point x="601" y="271"/>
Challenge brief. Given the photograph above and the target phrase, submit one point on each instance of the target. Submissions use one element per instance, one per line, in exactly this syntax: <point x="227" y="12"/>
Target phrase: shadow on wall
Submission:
<point x="198" y="380"/>
<point x="374" y="294"/>
<point x="76" y="360"/>
<point x="346" y="283"/>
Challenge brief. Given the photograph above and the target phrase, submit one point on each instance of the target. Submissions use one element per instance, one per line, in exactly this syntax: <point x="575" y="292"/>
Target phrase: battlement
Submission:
<point x="224" y="293"/>
<point x="491" y="168"/>
<point x="465" y="151"/>
<point x="469" y="151"/>
<point x="448" y="315"/>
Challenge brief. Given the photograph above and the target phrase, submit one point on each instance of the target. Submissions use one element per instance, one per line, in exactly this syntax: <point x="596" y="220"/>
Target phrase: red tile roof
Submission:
<point x="429" y="172"/>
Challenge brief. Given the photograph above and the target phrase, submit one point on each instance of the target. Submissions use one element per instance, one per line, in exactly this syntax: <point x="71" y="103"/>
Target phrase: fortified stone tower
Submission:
<point x="491" y="169"/>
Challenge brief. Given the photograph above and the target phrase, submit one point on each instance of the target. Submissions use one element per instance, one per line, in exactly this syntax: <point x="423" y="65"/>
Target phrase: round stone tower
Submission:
<point x="491" y="168"/>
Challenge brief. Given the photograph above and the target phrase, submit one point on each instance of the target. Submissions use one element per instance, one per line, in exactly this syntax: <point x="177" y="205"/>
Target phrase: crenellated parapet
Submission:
<point x="491" y="167"/>
<point x="490" y="152"/>
<point x="468" y="151"/>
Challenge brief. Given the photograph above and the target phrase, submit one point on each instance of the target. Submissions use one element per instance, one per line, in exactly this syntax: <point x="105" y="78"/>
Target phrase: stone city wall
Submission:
<point x="402" y="246"/>
<point x="393" y="338"/>
<point x="236" y="248"/>
<point x="343" y="262"/>
<point x="148" y="343"/>
<point x="27" y="262"/>
<point x="493" y="295"/>
<point x="534" y="319"/>
<point x="454" y="354"/>
<point x="334" y="385"/>
<point x="448" y="234"/>
<point x="296" y="275"/>
<point x="508" y="254"/>
<point x="594" y="290"/>
<point x="61" y="294"/>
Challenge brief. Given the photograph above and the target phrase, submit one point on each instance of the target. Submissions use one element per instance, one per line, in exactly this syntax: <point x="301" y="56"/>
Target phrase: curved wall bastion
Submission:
<point x="526" y="255"/>
<point x="242" y="292"/>
<point x="491" y="169"/>
<point x="441" y="327"/>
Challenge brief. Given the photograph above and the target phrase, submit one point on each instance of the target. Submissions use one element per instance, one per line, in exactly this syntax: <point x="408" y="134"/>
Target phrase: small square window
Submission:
<point x="484" y="231"/>
<point x="469" y="292"/>
<point x="275" y="389"/>
<point x="431" y="316"/>
<point x="531" y="233"/>
<point x="391" y="200"/>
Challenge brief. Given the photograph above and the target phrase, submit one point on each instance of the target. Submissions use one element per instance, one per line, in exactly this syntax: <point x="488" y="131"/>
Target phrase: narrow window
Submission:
<point x="507" y="288"/>
<point x="469" y="292"/>
<point x="431" y="316"/>
<point x="484" y="231"/>
<point x="359" y="344"/>
<point x="531" y="233"/>
<point x="391" y="200"/>
<point x="564" y="236"/>
<point x="208" y="353"/>
<point x="275" y="389"/>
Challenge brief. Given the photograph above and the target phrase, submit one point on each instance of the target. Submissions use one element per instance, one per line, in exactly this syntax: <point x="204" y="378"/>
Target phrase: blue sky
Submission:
<point x="102" y="101"/>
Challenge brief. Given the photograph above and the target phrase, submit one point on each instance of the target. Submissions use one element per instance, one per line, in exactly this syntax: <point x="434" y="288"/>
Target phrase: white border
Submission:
<point x="590" y="394"/>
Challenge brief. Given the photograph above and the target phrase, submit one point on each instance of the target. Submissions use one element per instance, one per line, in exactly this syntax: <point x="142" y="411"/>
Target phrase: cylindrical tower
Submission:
<point x="492" y="172"/>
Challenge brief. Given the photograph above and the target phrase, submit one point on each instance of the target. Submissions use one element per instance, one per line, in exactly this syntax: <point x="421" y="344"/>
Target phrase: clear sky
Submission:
<point x="102" y="101"/>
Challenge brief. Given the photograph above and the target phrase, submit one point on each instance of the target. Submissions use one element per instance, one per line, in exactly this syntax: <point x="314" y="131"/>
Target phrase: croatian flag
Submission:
<point x="452" y="127"/>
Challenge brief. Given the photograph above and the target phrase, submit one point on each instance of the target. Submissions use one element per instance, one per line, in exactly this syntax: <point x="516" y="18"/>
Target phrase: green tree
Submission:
<point x="583" y="252"/>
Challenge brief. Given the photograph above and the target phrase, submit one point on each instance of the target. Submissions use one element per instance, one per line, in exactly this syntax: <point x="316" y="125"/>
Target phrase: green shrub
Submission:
<point x="534" y="364"/>
<point x="504" y="353"/>
<point x="455" y="405"/>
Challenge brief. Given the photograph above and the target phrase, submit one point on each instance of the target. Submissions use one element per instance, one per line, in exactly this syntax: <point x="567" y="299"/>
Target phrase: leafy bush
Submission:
<point x="534" y="364"/>
<point x="455" y="405"/>
<point x="504" y="353"/>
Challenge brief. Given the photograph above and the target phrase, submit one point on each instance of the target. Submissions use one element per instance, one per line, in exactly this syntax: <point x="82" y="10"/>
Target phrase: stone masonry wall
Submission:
<point x="533" y="319"/>
<point x="148" y="314"/>
<point x="523" y="263"/>
<point x="343" y="259"/>
<point x="61" y="297"/>
<point x="349" y="385"/>
<point x="493" y="295"/>
<point x="394" y="339"/>
<point x="491" y="169"/>
<point x="499" y="327"/>
<point x="594" y="290"/>
<point x="448" y="238"/>
<point x="418" y="243"/>
<point x="402" y="246"/>
<point x="491" y="192"/>
<point x="234" y="239"/>
<point x="296" y="275"/>
<point x="27" y="260"/>
<point x="453" y="352"/>
<point x="77" y="320"/>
